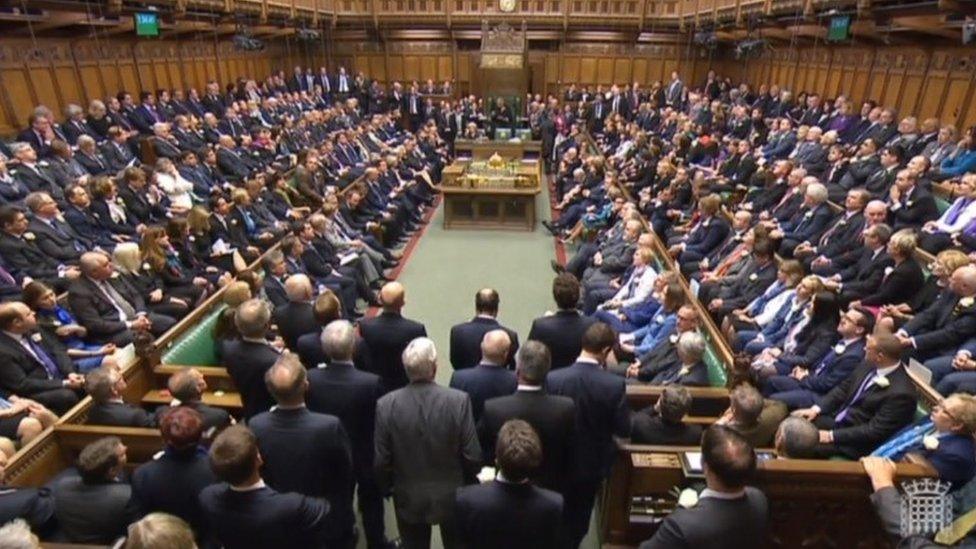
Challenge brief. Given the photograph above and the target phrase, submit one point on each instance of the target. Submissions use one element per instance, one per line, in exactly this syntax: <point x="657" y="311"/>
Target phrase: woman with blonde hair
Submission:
<point x="160" y="531"/>
<point x="128" y="263"/>
<point x="224" y="329"/>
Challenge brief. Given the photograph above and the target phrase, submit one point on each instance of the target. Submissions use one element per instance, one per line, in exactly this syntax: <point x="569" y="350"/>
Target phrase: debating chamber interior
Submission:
<point x="540" y="274"/>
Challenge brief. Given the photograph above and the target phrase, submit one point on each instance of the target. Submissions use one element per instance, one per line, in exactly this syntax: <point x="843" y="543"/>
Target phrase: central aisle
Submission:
<point x="447" y="268"/>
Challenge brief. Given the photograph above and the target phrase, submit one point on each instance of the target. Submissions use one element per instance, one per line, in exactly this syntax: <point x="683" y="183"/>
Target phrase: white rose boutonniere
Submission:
<point x="840" y="348"/>
<point x="808" y="215"/>
<point x="882" y="381"/>
<point x="931" y="442"/>
<point x="683" y="371"/>
<point x="753" y="277"/>
<point x="673" y="339"/>
<point x="909" y="203"/>
<point x="688" y="498"/>
<point x="36" y="336"/>
<point x="146" y="267"/>
<point x="119" y="201"/>
<point x="29" y="236"/>
<point x="966" y="302"/>
<point x="889" y="270"/>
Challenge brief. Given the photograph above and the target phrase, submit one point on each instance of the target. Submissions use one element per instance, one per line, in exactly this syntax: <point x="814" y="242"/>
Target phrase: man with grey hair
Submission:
<point x="689" y="370"/>
<point x="489" y="378"/>
<point x="106" y="386"/>
<point x="304" y="451"/>
<point x="296" y="317"/>
<point x="664" y="422"/>
<point x="809" y="222"/>
<point x="553" y="417"/>
<point x="248" y="358"/>
<point x="340" y="389"/>
<point x="426" y="446"/>
<point x="75" y="125"/>
<point x="753" y="417"/>
<point x="796" y="438"/>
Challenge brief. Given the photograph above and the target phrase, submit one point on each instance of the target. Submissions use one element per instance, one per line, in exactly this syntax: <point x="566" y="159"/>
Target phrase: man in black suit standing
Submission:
<point x="296" y="318"/>
<point x="248" y="358"/>
<point x="489" y="378"/>
<point x="108" y="307"/>
<point x="563" y="330"/>
<point x="243" y="512"/>
<point x="387" y="335"/>
<point x="105" y="385"/>
<point x="306" y="452"/>
<point x="728" y="514"/>
<point x="509" y="511"/>
<point x="341" y="390"/>
<point x="426" y="448"/>
<point x="466" y="337"/>
<point x="601" y="413"/>
<point x="553" y="418"/>
<point x="33" y="366"/>
<point x="876" y="401"/>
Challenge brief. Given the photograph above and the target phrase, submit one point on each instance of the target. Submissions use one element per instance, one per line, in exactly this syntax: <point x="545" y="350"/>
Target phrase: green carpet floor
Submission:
<point x="447" y="268"/>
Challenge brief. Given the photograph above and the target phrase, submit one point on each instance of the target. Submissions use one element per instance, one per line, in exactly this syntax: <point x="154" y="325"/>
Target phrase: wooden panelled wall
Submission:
<point x="937" y="83"/>
<point x="58" y="72"/>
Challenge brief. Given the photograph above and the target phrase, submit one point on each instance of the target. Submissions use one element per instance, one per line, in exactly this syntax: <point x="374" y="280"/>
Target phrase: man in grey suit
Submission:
<point x="426" y="448"/>
<point x="728" y="514"/>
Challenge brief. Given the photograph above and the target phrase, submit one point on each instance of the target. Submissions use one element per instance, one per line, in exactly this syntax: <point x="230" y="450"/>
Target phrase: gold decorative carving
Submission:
<point x="501" y="61"/>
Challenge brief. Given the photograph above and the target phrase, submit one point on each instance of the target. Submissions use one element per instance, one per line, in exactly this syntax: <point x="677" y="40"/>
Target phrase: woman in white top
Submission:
<point x="940" y="234"/>
<point x="177" y="188"/>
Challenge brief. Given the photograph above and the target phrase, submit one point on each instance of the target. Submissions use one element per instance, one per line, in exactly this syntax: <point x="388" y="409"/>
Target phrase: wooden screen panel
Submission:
<point x="604" y="71"/>
<point x="377" y="67"/>
<point x="911" y="88"/>
<point x="859" y="85"/>
<point x="552" y="69"/>
<point x="92" y="81"/>
<point x="68" y="88"/>
<point x="130" y="80"/>
<point x="428" y="68"/>
<point x="16" y="86"/>
<point x="892" y="90"/>
<point x="622" y="70"/>
<point x="161" y="75"/>
<point x="571" y="70"/>
<point x="930" y="99"/>
<point x="395" y="68"/>
<point x="44" y="92"/>
<point x="587" y="73"/>
<point x="176" y="79"/>
<point x="667" y="66"/>
<point x="953" y="109"/>
<point x="639" y="70"/>
<point x="411" y="68"/>
<point x="445" y="68"/>
<point x="464" y="68"/>
<point x="655" y="71"/>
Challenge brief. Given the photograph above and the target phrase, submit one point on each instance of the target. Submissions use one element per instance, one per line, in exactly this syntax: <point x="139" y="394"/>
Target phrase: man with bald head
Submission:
<point x="306" y="452"/>
<point x="490" y="378"/>
<point x="387" y="334"/>
<point x="466" y="337"/>
<point x="109" y="307"/>
<point x="296" y="317"/>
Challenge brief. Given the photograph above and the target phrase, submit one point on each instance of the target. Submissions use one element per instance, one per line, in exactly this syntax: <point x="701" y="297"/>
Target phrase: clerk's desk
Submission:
<point x="482" y="149"/>
<point x="812" y="503"/>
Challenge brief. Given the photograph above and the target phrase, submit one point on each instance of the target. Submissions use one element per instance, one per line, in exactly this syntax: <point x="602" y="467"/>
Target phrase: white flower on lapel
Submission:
<point x="29" y="236"/>
<point x="673" y="339"/>
<point x="808" y="215"/>
<point x="840" y="348"/>
<point x="882" y="381"/>
<point x="753" y="277"/>
<point x="683" y="371"/>
<point x="966" y="302"/>
<point x="146" y="266"/>
<point x="36" y="336"/>
<point x="688" y="498"/>
<point x="931" y="442"/>
<point x="909" y="203"/>
<point x="889" y="270"/>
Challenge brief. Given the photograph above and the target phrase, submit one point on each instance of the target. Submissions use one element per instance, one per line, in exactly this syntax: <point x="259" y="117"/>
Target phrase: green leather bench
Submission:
<point x="196" y="346"/>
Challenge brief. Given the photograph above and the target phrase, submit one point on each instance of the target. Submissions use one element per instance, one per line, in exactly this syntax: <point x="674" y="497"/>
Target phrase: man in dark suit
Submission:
<point x="296" y="318"/>
<point x="20" y="252"/>
<point x="171" y="482"/>
<point x="873" y="403"/>
<point x="304" y="451"/>
<point x="341" y="390"/>
<point x="187" y="387"/>
<point x="664" y="423"/>
<point x="687" y="369"/>
<point x="243" y="512"/>
<point x="490" y="378"/>
<point x="553" y="418"/>
<point x="55" y="238"/>
<point x="426" y="448"/>
<point x="864" y="276"/>
<point x="95" y="507"/>
<point x="387" y="335"/>
<point x="509" y="511"/>
<point x="601" y="413"/>
<point x="805" y="387"/>
<point x="747" y="286"/>
<point x="466" y="337"/>
<point x="108" y="307"/>
<point x="105" y="385"/>
<point x="910" y="205"/>
<point x="116" y="151"/>
<point x="34" y="505"/>
<point x="562" y="331"/>
<point x="842" y="234"/>
<point x="248" y="359"/>
<point x="31" y="364"/>
<point x="729" y="514"/>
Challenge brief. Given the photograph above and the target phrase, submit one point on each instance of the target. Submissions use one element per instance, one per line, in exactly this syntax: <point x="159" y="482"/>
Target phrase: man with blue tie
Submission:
<point x="870" y="406"/>
<point x="33" y="366"/>
<point x="601" y="413"/>
<point x="805" y="387"/>
<point x="944" y="440"/>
